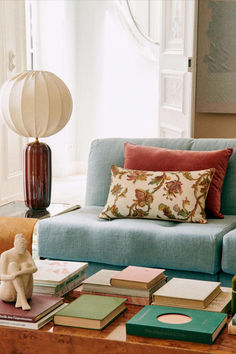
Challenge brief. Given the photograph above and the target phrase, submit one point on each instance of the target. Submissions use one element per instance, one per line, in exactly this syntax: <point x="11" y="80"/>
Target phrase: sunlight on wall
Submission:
<point x="129" y="85"/>
<point x="53" y="24"/>
<point x="114" y="87"/>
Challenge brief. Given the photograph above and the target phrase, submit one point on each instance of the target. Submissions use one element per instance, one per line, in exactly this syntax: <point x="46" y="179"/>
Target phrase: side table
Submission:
<point x="18" y="209"/>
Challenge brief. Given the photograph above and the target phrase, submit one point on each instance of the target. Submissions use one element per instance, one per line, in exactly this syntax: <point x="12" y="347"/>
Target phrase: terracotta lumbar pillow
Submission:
<point x="160" y="159"/>
<point x="176" y="196"/>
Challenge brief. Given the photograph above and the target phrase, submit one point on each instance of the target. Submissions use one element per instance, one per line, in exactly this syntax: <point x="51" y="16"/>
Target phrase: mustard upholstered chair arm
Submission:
<point x="10" y="226"/>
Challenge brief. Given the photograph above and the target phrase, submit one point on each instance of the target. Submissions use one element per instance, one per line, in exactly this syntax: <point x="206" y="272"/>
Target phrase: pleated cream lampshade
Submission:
<point x="35" y="103"/>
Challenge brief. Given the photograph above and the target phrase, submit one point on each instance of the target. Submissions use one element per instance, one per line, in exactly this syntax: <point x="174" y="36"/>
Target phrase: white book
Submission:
<point x="187" y="293"/>
<point x="55" y="272"/>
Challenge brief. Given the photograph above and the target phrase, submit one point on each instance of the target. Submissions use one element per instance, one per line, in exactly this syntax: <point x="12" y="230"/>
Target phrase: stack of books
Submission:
<point x="136" y="284"/>
<point x="58" y="277"/>
<point x="43" y="308"/>
<point x="194" y="294"/>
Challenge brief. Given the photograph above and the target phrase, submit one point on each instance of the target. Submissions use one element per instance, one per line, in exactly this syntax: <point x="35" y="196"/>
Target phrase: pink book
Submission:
<point x="137" y="277"/>
<point x="40" y="306"/>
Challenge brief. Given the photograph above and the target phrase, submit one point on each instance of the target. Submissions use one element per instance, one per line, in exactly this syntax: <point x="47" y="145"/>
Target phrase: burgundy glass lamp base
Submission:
<point x="37" y="175"/>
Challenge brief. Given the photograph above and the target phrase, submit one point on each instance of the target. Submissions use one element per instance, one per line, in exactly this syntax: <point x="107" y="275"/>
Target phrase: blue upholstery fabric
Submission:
<point x="81" y="235"/>
<point x="228" y="197"/>
<point x="225" y="279"/>
<point x="106" y="152"/>
<point x="229" y="253"/>
<point x="183" y="249"/>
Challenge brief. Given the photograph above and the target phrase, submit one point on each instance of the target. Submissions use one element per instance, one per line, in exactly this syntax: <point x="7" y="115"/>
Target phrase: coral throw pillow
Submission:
<point x="176" y="196"/>
<point x="160" y="159"/>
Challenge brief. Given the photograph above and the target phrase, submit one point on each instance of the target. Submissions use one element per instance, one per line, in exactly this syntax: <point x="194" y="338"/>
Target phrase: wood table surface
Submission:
<point x="111" y="340"/>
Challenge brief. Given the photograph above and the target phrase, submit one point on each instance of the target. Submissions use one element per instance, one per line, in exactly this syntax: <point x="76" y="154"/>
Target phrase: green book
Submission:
<point x="177" y="323"/>
<point x="90" y="311"/>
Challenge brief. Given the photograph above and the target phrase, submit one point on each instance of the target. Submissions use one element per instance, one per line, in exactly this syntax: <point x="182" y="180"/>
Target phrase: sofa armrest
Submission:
<point x="10" y="226"/>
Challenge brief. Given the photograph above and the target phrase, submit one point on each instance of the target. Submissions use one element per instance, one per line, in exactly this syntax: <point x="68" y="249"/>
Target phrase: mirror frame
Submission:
<point x="148" y="38"/>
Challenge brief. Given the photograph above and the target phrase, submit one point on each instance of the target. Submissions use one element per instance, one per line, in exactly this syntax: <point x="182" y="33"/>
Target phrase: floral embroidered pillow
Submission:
<point x="174" y="195"/>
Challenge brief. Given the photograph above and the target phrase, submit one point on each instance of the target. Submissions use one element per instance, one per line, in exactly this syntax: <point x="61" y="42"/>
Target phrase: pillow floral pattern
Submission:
<point x="174" y="195"/>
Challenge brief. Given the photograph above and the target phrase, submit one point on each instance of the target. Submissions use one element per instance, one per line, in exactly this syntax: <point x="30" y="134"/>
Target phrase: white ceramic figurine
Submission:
<point x="16" y="269"/>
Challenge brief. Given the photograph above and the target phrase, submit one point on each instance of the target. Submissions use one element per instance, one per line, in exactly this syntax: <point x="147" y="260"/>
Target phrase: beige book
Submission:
<point x="187" y="293"/>
<point x="221" y="303"/>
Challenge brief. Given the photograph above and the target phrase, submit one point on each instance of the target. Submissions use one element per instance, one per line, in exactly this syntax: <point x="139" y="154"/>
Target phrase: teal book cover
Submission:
<point x="177" y="323"/>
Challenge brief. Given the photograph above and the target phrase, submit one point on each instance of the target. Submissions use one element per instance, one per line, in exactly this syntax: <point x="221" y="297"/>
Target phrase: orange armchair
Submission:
<point x="10" y="226"/>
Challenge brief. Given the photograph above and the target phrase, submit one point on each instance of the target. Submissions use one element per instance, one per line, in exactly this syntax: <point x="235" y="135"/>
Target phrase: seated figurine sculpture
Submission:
<point x="16" y="269"/>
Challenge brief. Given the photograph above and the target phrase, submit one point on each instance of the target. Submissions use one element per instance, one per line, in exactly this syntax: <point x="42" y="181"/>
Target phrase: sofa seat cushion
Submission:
<point x="229" y="253"/>
<point x="81" y="235"/>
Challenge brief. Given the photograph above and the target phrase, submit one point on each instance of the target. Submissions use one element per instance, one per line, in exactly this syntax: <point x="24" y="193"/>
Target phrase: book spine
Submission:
<point x="167" y="333"/>
<point x="16" y="318"/>
<point x="130" y="285"/>
<point x="137" y="301"/>
<point x="43" y="290"/>
<point x="19" y="324"/>
<point x="184" y="303"/>
<point x="212" y="307"/>
<point x="31" y="325"/>
<point x="70" y="280"/>
<point x="107" y="289"/>
<point x="70" y="286"/>
<point x="131" y="300"/>
<point x="60" y="286"/>
<point x="116" y="291"/>
<point x="48" y="291"/>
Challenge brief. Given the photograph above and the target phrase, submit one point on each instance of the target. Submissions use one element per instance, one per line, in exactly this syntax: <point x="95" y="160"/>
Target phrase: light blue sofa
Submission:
<point x="201" y="251"/>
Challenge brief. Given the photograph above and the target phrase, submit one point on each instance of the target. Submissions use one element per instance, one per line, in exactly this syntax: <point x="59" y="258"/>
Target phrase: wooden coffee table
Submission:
<point x="111" y="340"/>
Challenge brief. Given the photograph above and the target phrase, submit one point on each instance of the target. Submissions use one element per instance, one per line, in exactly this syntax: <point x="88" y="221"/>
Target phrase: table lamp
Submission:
<point x="36" y="104"/>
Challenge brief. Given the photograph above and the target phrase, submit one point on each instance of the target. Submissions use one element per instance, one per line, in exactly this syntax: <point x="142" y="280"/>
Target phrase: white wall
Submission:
<point x="12" y="61"/>
<point x="55" y="51"/>
<point x="117" y="85"/>
<point x="114" y="87"/>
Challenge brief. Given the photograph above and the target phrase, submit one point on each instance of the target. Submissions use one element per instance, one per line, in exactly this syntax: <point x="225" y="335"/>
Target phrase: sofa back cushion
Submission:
<point x="107" y="152"/>
<point x="176" y="196"/>
<point x="158" y="159"/>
